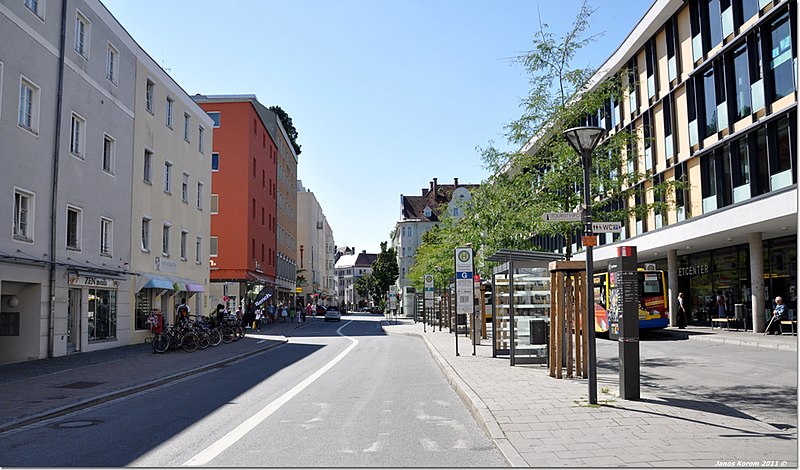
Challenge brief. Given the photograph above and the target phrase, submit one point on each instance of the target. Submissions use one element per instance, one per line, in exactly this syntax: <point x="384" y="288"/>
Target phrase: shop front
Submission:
<point x="702" y="275"/>
<point x="96" y="294"/>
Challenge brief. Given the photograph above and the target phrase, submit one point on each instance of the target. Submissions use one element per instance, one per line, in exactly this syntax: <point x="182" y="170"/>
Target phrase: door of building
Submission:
<point x="73" y="320"/>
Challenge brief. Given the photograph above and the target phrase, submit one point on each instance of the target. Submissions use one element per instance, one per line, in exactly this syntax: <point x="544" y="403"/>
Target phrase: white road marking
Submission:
<point x="249" y="424"/>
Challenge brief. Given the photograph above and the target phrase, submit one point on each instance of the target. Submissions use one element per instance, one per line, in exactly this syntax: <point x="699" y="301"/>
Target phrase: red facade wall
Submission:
<point x="247" y="170"/>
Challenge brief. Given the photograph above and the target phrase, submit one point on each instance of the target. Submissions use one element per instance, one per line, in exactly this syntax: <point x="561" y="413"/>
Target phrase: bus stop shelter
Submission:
<point x="521" y="304"/>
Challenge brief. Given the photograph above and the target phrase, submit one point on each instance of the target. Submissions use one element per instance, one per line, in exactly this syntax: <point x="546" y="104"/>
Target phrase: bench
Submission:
<point x="718" y="322"/>
<point x="791" y="324"/>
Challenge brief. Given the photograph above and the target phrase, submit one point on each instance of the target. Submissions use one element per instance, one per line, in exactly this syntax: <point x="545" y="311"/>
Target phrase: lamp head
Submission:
<point x="584" y="139"/>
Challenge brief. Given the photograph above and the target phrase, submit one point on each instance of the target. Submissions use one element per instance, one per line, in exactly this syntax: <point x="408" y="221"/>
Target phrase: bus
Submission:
<point x="653" y="309"/>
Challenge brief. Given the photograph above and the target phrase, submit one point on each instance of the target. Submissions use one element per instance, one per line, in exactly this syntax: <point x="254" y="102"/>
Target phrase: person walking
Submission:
<point x="681" y="312"/>
<point x="259" y="316"/>
<point x="722" y="308"/>
<point x="777" y="316"/>
<point x="284" y="313"/>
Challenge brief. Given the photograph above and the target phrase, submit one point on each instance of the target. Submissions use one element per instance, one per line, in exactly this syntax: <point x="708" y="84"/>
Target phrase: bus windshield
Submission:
<point x="650" y="283"/>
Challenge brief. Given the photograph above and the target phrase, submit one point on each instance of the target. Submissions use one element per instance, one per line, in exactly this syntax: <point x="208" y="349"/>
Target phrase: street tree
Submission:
<point x="385" y="271"/>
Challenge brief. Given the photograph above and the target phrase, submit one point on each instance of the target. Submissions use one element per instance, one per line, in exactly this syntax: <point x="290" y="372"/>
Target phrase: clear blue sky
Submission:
<point x="385" y="94"/>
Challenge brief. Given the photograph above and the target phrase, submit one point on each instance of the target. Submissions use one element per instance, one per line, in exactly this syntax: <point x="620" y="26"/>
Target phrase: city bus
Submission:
<point x="653" y="306"/>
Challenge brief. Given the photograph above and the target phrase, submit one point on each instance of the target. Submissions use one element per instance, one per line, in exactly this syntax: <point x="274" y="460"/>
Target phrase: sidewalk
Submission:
<point x="539" y="421"/>
<point x="35" y="390"/>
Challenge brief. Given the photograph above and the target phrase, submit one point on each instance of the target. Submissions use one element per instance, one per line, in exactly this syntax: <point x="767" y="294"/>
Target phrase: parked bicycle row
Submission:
<point x="190" y="335"/>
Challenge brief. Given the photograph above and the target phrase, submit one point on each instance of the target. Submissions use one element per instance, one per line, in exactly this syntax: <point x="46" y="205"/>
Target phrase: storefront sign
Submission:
<point x="91" y="281"/>
<point x="695" y="270"/>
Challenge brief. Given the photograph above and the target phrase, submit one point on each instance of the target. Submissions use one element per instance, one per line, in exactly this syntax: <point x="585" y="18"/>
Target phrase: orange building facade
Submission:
<point x="243" y="201"/>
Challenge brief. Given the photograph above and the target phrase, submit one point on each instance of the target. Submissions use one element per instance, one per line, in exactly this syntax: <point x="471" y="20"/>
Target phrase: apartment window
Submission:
<point x="145" y="234"/>
<point x="165" y="239"/>
<point x="77" y="137"/>
<point x="781" y="64"/>
<point x="201" y="139"/>
<point x="649" y="152"/>
<point x="781" y="159"/>
<point x="199" y="195"/>
<point x="186" y="121"/>
<point x="36" y="7"/>
<point x="681" y="194"/>
<point x="215" y="204"/>
<point x="741" y="168"/>
<point x="106" y="236"/>
<point x="148" y="167"/>
<point x="112" y="58"/>
<point x="741" y="77"/>
<point x="167" y="177"/>
<point x="708" y="172"/>
<point x="713" y="20"/>
<point x="633" y="86"/>
<point x="673" y="48"/>
<point x="214" y="161"/>
<point x="73" y="228"/>
<point x="28" y="106"/>
<point x="710" y="102"/>
<point x="23" y="214"/>
<point x="109" y="144"/>
<point x="632" y="159"/>
<point x="148" y="96"/>
<point x="185" y="188"/>
<point x="254" y="168"/>
<point x="82" y="31"/>
<point x="215" y="116"/>
<point x="746" y="10"/>
<point x="170" y="104"/>
<point x="184" y="237"/>
<point x="669" y="140"/>
<point x="652" y="70"/>
<point x="263" y="212"/>
<point x="253" y="206"/>
<point x="213" y="246"/>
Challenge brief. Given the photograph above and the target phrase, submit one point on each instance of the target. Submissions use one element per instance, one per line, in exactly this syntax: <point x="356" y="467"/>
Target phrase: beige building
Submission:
<point x="712" y="93"/>
<point x="171" y="197"/>
<point x="315" y="248"/>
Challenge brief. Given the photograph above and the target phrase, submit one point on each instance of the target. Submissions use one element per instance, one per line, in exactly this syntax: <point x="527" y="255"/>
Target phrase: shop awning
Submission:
<point x="194" y="287"/>
<point x="180" y="286"/>
<point x="155" y="282"/>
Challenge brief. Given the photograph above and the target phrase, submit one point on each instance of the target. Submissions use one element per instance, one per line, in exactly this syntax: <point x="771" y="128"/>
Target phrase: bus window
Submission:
<point x="650" y="283"/>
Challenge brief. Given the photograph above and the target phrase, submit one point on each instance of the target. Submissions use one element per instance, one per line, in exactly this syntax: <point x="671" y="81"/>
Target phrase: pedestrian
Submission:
<point x="219" y="314"/>
<point x="681" y="312"/>
<point x="722" y="310"/>
<point x="284" y="313"/>
<point x="239" y="315"/>
<point x="259" y="316"/>
<point x="309" y="310"/>
<point x="182" y="314"/>
<point x="777" y="316"/>
<point x="291" y="314"/>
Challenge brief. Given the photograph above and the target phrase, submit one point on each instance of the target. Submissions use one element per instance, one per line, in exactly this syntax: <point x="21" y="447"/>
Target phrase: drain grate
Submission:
<point x="81" y="385"/>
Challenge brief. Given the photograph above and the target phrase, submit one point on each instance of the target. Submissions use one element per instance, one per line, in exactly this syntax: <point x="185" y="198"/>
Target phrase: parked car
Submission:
<point x="332" y="313"/>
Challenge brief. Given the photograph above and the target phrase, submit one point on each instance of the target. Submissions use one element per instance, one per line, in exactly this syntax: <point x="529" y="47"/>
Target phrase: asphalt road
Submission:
<point x="738" y="380"/>
<point x="341" y="395"/>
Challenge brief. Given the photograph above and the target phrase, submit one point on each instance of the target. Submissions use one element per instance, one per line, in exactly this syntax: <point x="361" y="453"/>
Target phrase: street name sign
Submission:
<point x="613" y="227"/>
<point x="562" y="216"/>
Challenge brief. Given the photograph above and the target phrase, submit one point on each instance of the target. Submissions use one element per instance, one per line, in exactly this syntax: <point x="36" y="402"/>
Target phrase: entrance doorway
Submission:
<point x="73" y="320"/>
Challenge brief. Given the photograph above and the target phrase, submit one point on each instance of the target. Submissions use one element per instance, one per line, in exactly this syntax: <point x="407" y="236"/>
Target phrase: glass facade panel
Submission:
<point x="742" y="81"/>
<point x="102" y="314"/>
<point x="781" y="63"/>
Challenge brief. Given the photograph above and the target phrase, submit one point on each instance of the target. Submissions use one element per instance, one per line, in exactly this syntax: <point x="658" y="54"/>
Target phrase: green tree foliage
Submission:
<point x="546" y="174"/>
<point x="384" y="271"/>
<point x="366" y="287"/>
<point x="286" y="121"/>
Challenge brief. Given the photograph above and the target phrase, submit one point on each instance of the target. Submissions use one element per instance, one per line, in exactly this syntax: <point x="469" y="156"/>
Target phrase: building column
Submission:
<point x="757" y="281"/>
<point x="672" y="286"/>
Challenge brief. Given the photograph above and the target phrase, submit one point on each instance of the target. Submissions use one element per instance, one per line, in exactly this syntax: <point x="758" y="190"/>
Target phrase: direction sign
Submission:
<point x="613" y="227"/>
<point x="562" y="216"/>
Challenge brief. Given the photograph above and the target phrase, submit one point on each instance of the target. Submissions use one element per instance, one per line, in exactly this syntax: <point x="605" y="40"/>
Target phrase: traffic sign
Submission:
<point x="613" y="227"/>
<point x="562" y="216"/>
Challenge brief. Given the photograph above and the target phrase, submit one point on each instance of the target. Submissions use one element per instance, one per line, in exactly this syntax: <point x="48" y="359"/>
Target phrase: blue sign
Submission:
<point x="464" y="275"/>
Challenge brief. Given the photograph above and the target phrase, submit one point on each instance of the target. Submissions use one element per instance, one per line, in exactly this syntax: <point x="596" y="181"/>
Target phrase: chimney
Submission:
<point x="434" y="187"/>
<point x="455" y="182"/>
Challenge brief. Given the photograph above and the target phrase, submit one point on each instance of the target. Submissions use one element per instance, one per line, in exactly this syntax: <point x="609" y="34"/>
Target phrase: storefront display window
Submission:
<point x="780" y="276"/>
<point x="143" y="307"/>
<point x="102" y="314"/>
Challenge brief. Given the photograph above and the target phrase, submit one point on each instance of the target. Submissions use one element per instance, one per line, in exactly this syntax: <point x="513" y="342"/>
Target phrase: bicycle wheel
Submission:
<point x="239" y="330"/>
<point x="189" y="342"/>
<point x="160" y="343"/>
<point x="227" y="334"/>
<point x="174" y="342"/>
<point x="216" y="337"/>
<point x="204" y="340"/>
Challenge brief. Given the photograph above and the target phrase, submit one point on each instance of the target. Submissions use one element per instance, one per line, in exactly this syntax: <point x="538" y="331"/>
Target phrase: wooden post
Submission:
<point x="554" y="276"/>
<point x="559" y="328"/>
<point x="569" y="316"/>
<point x="578" y="326"/>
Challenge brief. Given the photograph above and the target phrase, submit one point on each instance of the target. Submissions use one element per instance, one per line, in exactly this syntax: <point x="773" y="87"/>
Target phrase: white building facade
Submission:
<point x="315" y="248"/>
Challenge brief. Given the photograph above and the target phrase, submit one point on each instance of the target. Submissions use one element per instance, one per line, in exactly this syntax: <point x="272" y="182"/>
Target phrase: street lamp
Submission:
<point x="584" y="140"/>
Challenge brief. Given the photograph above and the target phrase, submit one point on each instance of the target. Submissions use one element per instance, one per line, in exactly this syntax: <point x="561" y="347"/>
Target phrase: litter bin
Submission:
<point x="740" y="314"/>
<point x="538" y="331"/>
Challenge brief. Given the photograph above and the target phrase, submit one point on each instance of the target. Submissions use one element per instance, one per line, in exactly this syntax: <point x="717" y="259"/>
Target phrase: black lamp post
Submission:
<point x="584" y="140"/>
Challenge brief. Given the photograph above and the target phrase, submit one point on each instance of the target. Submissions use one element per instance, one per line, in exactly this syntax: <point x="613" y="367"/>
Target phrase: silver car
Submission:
<point x="332" y="313"/>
